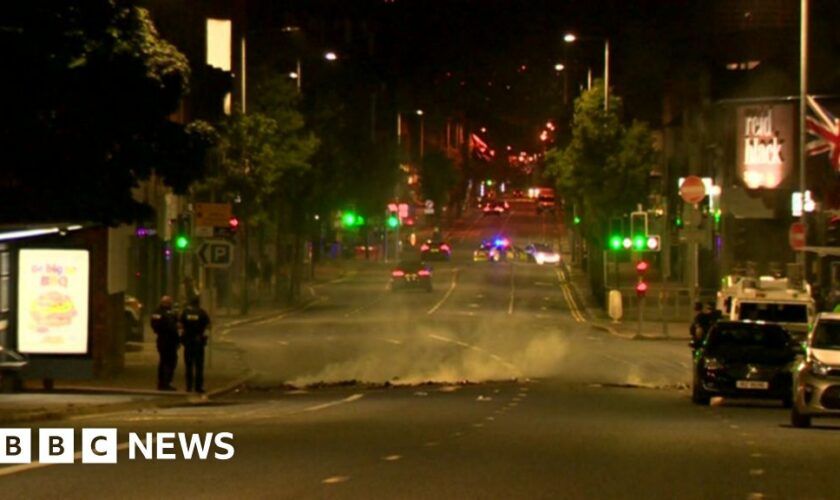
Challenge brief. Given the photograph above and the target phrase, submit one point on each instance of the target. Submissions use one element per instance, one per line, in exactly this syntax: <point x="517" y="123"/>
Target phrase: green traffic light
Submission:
<point x="639" y="243"/>
<point x="679" y="222"/>
<point x="349" y="219"/>
<point x="577" y="220"/>
<point x="615" y="243"/>
<point x="182" y="242"/>
<point x="393" y="221"/>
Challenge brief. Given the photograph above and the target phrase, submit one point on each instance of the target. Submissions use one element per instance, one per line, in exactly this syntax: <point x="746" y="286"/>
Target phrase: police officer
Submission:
<point x="164" y="322"/>
<point x="194" y="321"/>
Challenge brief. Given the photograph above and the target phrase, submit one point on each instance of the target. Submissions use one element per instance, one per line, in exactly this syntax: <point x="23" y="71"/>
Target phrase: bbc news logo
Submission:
<point x="100" y="446"/>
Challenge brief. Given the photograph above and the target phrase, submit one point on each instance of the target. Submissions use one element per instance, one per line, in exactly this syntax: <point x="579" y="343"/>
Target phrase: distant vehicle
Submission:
<point x="542" y="253"/>
<point x="816" y="379"/>
<point x="495" y="208"/>
<point x="133" y="311"/>
<point x="744" y="360"/>
<point x="545" y="203"/>
<point x="485" y="252"/>
<point x="494" y="250"/>
<point x="411" y="275"/>
<point x="769" y="299"/>
<point x="435" y="250"/>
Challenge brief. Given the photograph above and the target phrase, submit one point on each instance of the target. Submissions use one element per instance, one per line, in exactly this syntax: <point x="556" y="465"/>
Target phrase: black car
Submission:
<point x="744" y="360"/>
<point x="411" y="275"/>
<point x="435" y="250"/>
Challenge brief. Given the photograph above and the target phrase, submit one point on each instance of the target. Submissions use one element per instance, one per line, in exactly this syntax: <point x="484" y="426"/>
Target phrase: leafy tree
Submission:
<point x="604" y="169"/>
<point x="86" y="114"/>
<point x="265" y="156"/>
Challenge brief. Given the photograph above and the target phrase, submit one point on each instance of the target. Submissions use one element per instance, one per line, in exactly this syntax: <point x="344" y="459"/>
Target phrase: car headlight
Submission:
<point x="817" y="367"/>
<point x="712" y="364"/>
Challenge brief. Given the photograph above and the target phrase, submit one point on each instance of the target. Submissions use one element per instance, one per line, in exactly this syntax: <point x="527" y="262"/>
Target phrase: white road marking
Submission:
<point x="447" y="294"/>
<point x="756" y="472"/>
<point x="393" y="341"/>
<point x="336" y="479"/>
<point x="392" y="458"/>
<point x="474" y="306"/>
<point x="349" y="399"/>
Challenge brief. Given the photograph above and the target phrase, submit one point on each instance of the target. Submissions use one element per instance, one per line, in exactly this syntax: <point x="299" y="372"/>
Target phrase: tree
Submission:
<point x="86" y="114"/>
<point x="604" y="169"/>
<point x="265" y="156"/>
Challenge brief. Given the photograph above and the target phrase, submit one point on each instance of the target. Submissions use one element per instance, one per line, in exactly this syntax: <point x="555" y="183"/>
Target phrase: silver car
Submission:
<point x="816" y="379"/>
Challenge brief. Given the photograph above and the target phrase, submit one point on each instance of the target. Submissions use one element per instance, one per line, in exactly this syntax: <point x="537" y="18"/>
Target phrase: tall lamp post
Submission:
<point x="803" y="93"/>
<point x="571" y="38"/>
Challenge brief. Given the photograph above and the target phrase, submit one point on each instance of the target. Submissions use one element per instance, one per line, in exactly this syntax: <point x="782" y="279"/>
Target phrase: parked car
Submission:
<point x="411" y="275"/>
<point x="816" y="379"/>
<point x="744" y="360"/>
<point x="133" y="319"/>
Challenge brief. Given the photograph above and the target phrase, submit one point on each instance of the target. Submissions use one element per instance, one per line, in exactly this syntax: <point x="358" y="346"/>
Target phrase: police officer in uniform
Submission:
<point x="194" y="321"/>
<point x="164" y="322"/>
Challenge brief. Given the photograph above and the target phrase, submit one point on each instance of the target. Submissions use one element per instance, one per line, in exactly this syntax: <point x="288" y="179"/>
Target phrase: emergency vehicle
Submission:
<point x="768" y="299"/>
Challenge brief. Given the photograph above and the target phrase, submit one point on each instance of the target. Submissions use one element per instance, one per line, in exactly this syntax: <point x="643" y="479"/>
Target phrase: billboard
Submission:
<point x="764" y="144"/>
<point x="52" y="305"/>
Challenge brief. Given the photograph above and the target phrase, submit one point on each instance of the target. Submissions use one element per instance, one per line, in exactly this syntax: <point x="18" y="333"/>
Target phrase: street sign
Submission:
<point x="693" y="190"/>
<point x="216" y="253"/>
<point x="430" y="207"/>
<point x="212" y="214"/>
<point x="796" y="236"/>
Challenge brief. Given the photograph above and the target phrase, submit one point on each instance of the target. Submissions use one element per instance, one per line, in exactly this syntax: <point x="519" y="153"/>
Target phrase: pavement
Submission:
<point x="658" y="326"/>
<point x="134" y="388"/>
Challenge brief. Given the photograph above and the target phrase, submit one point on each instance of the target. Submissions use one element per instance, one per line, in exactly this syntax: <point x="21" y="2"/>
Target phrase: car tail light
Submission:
<point x="444" y="247"/>
<point x="397" y="274"/>
<point x="424" y="272"/>
<point x="424" y="247"/>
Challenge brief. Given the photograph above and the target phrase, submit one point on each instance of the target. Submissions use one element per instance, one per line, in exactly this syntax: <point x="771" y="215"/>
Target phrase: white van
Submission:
<point x="769" y="300"/>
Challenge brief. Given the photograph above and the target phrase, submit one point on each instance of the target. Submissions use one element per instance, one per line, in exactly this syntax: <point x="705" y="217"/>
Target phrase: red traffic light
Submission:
<point x="641" y="289"/>
<point x="233" y="223"/>
<point x="642" y="267"/>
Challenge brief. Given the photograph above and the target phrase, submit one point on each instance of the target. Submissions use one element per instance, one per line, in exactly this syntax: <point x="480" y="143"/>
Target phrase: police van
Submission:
<point x="768" y="299"/>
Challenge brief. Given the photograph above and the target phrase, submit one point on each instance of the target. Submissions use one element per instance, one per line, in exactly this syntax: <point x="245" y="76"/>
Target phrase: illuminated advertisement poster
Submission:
<point x="764" y="144"/>
<point x="52" y="305"/>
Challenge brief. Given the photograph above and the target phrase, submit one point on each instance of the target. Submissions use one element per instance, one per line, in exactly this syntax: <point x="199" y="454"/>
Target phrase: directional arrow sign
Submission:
<point x="216" y="253"/>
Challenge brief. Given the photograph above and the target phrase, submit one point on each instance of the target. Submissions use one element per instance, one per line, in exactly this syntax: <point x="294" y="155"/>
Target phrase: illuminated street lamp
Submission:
<point x="422" y="120"/>
<point x="571" y="38"/>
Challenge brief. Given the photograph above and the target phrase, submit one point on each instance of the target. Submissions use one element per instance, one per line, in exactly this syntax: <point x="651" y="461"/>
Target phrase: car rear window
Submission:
<point x="775" y="313"/>
<point x="766" y="336"/>
<point x="827" y="335"/>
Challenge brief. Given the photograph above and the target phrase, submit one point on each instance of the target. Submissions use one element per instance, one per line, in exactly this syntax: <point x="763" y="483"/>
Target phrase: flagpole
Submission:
<point x="803" y="93"/>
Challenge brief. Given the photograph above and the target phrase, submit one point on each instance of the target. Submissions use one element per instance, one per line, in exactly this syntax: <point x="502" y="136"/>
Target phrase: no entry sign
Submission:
<point x="693" y="190"/>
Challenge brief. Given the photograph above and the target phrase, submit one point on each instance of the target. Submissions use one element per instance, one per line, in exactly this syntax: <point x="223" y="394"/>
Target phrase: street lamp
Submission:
<point x="571" y="38"/>
<point x="422" y="120"/>
<point x="297" y="74"/>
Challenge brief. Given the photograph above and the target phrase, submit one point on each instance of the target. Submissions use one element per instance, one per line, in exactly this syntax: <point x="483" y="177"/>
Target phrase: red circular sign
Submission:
<point x="693" y="190"/>
<point x="796" y="235"/>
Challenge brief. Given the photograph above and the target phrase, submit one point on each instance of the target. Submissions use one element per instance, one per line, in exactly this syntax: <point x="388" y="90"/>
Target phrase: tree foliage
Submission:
<point x="605" y="168"/>
<point x="87" y="108"/>
<point x="264" y="153"/>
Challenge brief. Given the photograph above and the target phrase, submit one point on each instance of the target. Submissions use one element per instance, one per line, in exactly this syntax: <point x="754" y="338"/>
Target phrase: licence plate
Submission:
<point x="752" y="384"/>
<point x="410" y="277"/>
<point x="435" y="250"/>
